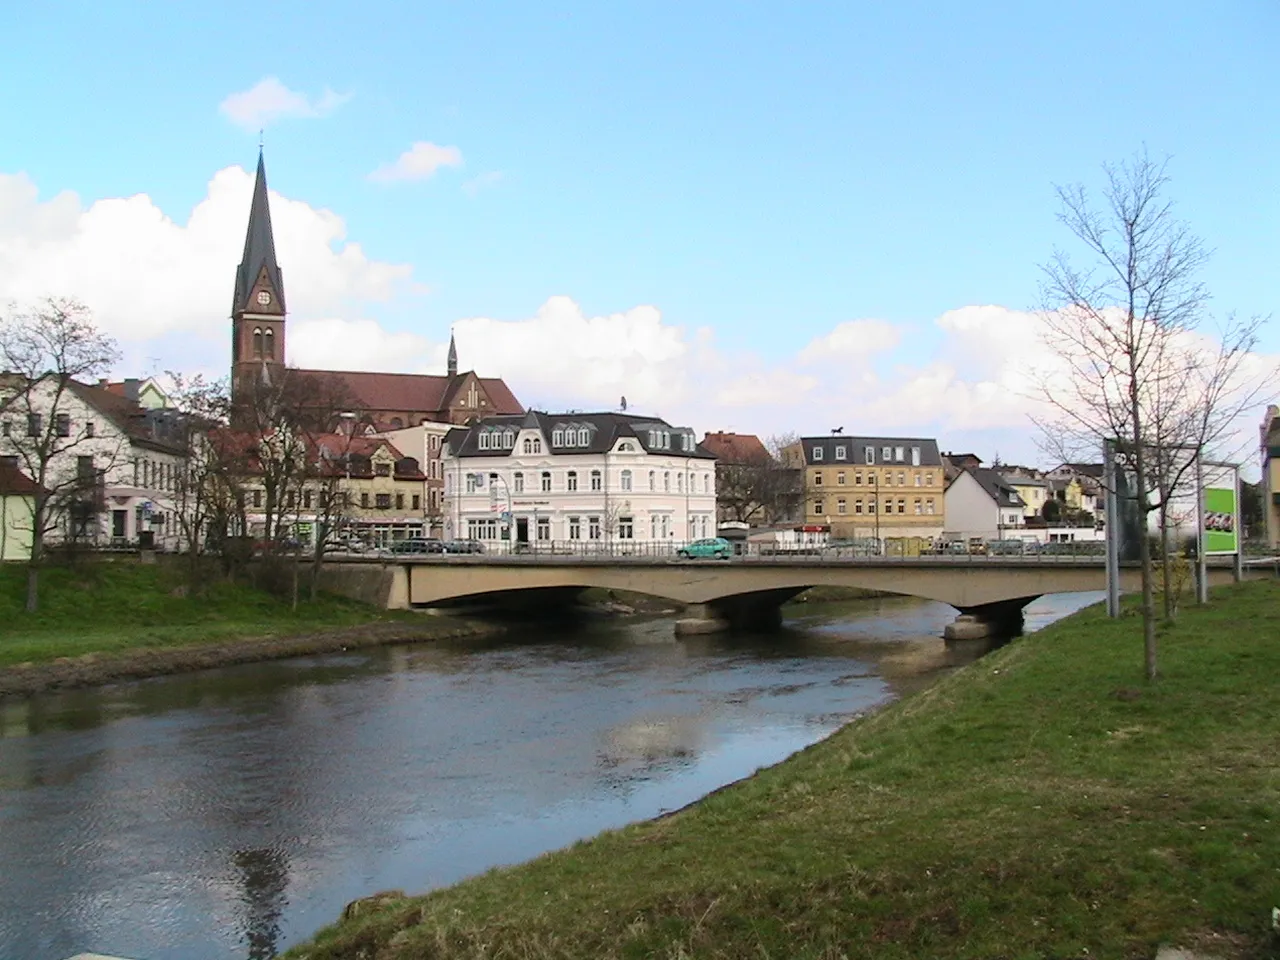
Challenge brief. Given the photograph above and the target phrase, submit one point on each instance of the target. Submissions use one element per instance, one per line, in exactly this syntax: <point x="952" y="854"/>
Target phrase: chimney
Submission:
<point x="102" y="383"/>
<point x="131" y="388"/>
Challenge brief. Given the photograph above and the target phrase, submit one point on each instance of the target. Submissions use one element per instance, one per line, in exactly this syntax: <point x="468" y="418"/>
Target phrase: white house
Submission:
<point x="981" y="503"/>
<point x="112" y="467"/>
<point x="580" y="480"/>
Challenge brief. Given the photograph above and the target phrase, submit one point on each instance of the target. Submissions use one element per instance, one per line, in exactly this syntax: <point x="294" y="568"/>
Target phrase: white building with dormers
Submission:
<point x="119" y="460"/>
<point x="578" y="482"/>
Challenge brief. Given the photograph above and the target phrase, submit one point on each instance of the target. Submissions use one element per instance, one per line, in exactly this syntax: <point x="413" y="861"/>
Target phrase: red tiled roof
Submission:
<point x="736" y="447"/>
<point x="426" y="392"/>
<point x="13" y="482"/>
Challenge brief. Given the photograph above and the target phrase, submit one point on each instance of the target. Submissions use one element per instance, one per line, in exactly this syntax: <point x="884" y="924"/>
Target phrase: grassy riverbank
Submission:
<point x="112" y="607"/>
<point x="1044" y="802"/>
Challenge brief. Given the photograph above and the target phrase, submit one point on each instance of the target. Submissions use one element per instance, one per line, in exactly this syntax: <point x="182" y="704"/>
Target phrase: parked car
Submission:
<point x="346" y="543"/>
<point x="714" y="547"/>
<point x="463" y="546"/>
<point x="417" y="545"/>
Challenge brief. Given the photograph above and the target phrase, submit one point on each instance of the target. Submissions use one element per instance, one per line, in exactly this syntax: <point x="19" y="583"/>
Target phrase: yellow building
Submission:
<point x="17" y="496"/>
<point x="1270" y="436"/>
<point x="871" y="487"/>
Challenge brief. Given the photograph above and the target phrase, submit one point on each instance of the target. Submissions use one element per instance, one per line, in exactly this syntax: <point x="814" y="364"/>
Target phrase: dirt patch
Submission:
<point x="94" y="669"/>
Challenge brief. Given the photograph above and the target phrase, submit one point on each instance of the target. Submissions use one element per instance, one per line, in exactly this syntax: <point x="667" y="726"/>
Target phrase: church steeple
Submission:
<point x="257" y="306"/>
<point x="453" y="356"/>
<point x="258" y="272"/>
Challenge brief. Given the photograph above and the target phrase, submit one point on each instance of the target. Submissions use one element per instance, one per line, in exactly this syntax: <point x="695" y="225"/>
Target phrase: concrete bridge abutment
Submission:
<point x="1003" y="618"/>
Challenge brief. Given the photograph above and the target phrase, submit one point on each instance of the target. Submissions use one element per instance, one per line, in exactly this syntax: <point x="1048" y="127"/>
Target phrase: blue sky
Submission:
<point x="757" y="172"/>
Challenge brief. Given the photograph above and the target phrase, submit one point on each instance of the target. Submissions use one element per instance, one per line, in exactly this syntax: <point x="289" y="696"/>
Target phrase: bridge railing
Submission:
<point x="955" y="551"/>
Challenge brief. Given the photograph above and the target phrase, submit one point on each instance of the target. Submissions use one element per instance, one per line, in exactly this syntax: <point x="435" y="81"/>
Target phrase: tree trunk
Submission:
<point x="1144" y="541"/>
<point x="1166" y="566"/>
<point x="37" y="557"/>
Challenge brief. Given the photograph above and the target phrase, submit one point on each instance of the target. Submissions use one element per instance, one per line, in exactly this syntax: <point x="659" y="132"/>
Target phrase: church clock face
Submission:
<point x="264" y="298"/>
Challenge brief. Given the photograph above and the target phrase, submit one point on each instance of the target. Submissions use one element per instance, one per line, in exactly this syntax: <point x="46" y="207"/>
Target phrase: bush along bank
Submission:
<point x="119" y="620"/>
<point x="1043" y="802"/>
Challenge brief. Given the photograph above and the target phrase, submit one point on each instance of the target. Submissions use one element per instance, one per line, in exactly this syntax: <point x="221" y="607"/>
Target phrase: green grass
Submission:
<point x="114" y="606"/>
<point x="1044" y="802"/>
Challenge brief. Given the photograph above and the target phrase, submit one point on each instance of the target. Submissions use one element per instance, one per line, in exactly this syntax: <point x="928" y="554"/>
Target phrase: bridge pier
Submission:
<point x="700" y="618"/>
<point x="990" y="619"/>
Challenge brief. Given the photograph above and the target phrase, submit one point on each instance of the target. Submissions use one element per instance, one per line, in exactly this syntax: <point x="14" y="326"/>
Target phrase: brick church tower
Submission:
<point x="257" y="310"/>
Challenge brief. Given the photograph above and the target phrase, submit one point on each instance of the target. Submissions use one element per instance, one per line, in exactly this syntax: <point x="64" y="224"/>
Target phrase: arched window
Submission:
<point x="269" y="339"/>
<point x="595" y="480"/>
<point x="680" y="482"/>
<point x="257" y="341"/>
<point x="396" y="423"/>
<point x="653" y="482"/>
<point x="666" y="481"/>
<point x="571" y="481"/>
<point x="546" y="481"/>
<point x="626" y="480"/>
<point x="528" y="445"/>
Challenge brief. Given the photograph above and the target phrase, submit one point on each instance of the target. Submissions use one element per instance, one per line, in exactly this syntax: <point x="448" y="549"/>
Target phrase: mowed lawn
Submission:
<point x="116" y="605"/>
<point x="1043" y="802"/>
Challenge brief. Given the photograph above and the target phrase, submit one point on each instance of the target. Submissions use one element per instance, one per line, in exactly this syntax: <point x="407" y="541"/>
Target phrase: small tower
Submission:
<point x="453" y="356"/>
<point x="257" y="308"/>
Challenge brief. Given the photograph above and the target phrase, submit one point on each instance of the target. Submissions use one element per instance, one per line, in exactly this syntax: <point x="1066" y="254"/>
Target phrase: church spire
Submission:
<point x="453" y="356"/>
<point x="259" y="285"/>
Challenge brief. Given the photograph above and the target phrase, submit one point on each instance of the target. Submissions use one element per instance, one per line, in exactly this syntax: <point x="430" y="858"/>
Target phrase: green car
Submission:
<point x="716" y="547"/>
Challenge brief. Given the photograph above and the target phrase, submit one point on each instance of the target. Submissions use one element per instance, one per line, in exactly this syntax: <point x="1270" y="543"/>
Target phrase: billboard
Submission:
<point x="1221" y="519"/>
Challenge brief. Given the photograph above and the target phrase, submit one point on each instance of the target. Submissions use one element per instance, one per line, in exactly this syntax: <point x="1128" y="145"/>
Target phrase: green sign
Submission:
<point x="1220" y="513"/>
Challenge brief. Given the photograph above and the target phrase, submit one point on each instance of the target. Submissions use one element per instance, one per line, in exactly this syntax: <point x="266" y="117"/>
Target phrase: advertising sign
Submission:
<point x="1221" y="516"/>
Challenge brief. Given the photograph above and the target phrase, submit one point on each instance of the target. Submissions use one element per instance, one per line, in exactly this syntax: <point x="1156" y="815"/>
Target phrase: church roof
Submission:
<point x="425" y="392"/>
<point x="259" y="247"/>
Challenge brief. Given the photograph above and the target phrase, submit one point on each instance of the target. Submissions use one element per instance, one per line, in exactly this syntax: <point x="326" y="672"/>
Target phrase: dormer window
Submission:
<point x="817" y="453"/>
<point x="886" y="454"/>
<point x="557" y="438"/>
<point x="915" y="456"/>
<point x="584" y="436"/>
<point x="899" y="454"/>
<point x="841" y="451"/>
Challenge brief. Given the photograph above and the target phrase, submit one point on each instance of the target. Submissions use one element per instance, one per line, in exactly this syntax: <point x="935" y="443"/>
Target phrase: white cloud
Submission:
<point x="852" y="340"/>
<point x="163" y="287"/>
<point x="269" y="100"/>
<point x="419" y="162"/>
<point x="145" y="275"/>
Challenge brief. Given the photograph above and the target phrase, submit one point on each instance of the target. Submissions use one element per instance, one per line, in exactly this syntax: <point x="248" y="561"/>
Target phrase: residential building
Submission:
<point x="364" y="485"/>
<point x="1078" y="486"/>
<point x="981" y="503"/>
<point x="881" y="487"/>
<point x="17" y="504"/>
<point x="425" y="443"/>
<point x="752" y="486"/>
<point x="1030" y="485"/>
<point x="583" y="480"/>
<point x="114" y="467"/>
<point x="1269" y="436"/>
<point x="380" y="401"/>
<point x="148" y="393"/>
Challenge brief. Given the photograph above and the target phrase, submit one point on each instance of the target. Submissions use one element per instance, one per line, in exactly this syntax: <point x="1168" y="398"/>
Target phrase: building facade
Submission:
<point x="1269" y="444"/>
<point x="377" y="401"/>
<point x="981" y="503"/>
<point x="871" y="487"/>
<point x="425" y="442"/>
<point x="113" y="467"/>
<point x="578" y="481"/>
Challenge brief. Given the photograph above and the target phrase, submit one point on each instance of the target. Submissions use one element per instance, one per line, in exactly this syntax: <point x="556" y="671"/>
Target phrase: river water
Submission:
<point x="227" y="814"/>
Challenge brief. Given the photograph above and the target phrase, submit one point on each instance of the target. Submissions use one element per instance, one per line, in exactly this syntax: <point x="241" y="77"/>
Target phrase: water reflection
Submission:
<point x="230" y="813"/>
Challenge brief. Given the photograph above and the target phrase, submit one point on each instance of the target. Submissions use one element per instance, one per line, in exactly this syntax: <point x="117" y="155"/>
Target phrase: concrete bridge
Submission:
<point x="987" y="591"/>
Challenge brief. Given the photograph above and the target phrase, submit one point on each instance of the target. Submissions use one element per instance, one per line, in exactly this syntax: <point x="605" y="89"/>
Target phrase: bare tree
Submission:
<point x="45" y="355"/>
<point x="202" y="507"/>
<point x="1132" y="368"/>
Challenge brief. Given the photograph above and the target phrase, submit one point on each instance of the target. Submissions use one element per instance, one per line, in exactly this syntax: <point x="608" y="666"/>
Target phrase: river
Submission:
<point x="227" y="814"/>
